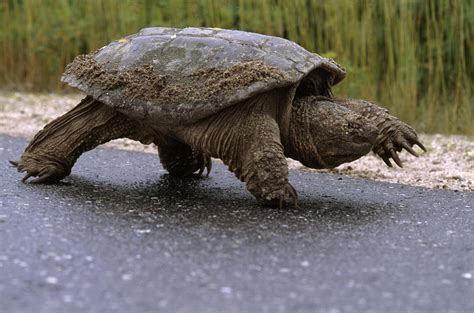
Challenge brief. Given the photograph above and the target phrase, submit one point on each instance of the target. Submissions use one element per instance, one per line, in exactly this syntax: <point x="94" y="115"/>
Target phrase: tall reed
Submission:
<point x="413" y="56"/>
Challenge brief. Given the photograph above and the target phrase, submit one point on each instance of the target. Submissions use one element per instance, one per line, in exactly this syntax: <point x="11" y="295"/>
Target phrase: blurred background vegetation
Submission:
<point x="414" y="57"/>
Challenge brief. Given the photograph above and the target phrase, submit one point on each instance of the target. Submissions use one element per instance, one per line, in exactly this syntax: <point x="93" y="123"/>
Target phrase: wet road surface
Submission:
<point x="119" y="235"/>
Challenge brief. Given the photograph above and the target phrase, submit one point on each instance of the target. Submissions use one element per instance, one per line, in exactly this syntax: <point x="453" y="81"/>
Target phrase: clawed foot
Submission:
<point x="279" y="198"/>
<point x="186" y="165"/>
<point x="206" y="163"/>
<point x="201" y="162"/>
<point x="46" y="171"/>
<point x="400" y="136"/>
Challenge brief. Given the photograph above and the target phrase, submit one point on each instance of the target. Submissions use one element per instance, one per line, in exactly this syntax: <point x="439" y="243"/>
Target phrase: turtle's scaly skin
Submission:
<point x="250" y="100"/>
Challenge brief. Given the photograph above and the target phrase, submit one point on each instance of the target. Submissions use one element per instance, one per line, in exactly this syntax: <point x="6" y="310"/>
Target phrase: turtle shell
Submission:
<point x="175" y="76"/>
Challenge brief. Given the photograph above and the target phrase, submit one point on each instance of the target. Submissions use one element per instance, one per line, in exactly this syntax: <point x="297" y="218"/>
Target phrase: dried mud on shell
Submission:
<point x="143" y="83"/>
<point x="137" y="82"/>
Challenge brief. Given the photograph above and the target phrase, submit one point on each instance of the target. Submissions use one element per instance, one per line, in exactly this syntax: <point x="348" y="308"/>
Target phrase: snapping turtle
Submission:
<point x="249" y="99"/>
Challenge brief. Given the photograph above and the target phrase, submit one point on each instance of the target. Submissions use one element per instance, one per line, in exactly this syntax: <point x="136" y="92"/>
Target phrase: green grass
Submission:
<point x="414" y="57"/>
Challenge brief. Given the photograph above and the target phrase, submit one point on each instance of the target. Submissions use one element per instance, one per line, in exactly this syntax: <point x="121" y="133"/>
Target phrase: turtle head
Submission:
<point x="325" y="134"/>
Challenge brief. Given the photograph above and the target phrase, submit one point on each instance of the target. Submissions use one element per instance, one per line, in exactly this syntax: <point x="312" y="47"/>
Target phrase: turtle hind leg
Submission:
<point x="54" y="150"/>
<point x="181" y="160"/>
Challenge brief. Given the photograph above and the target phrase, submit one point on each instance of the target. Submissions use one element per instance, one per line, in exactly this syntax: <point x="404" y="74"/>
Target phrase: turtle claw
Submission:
<point x="278" y="198"/>
<point x="42" y="178"/>
<point x="201" y="169"/>
<point x="410" y="150"/>
<point x="293" y="195"/>
<point x="395" y="158"/>
<point x="288" y="193"/>
<point x="406" y="139"/>
<point x="46" y="176"/>
<point x="419" y="144"/>
<point x="400" y="136"/>
<point x="206" y="164"/>
<point x="387" y="151"/>
<point x="386" y="160"/>
<point x="25" y="178"/>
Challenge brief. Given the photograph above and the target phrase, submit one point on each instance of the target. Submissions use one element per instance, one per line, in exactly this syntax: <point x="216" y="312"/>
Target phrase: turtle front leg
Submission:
<point x="248" y="141"/>
<point x="181" y="160"/>
<point x="263" y="166"/>
<point x="54" y="150"/>
<point x="394" y="135"/>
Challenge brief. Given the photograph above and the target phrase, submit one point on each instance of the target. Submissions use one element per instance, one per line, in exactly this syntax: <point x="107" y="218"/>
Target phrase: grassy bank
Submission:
<point x="414" y="57"/>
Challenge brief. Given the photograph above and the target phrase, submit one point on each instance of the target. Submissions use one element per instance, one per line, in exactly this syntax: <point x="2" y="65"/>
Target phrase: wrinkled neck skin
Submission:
<point x="299" y="145"/>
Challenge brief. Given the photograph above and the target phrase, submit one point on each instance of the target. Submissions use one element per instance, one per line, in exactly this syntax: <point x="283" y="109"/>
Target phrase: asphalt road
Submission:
<point x="119" y="235"/>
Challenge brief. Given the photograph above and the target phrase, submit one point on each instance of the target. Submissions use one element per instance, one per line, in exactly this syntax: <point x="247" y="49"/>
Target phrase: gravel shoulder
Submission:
<point x="448" y="164"/>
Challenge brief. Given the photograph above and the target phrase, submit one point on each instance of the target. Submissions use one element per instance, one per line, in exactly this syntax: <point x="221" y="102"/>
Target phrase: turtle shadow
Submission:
<point x="221" y="204"/>
<point x="219" y="199"/>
